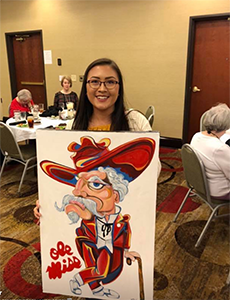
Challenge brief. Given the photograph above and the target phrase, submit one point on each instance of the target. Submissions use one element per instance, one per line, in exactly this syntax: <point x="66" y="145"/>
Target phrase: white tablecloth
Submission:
<point x="25" y="133"/>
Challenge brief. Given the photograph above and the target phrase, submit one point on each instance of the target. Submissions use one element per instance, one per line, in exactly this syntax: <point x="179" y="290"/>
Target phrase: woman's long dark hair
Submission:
<point x="85" y="108"/>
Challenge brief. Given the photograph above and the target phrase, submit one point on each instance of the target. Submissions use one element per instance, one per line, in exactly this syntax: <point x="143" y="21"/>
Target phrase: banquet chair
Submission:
<point x="150" y="114"/>
<point x="24" y="154"/>
<point x="202" y="128"/>
<point x="196" y="180"/>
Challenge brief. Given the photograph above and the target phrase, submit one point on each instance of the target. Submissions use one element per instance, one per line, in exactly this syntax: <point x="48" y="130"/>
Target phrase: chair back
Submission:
<point x="8" y="144"/>
<point x="194" y="172"/>
<point x="202" y="128"/>
<point x="150" y="114"/>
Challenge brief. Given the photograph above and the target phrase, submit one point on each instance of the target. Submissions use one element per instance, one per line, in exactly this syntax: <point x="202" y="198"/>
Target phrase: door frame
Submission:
<point x="189" y="71"/>
<point x="11" y="62"/>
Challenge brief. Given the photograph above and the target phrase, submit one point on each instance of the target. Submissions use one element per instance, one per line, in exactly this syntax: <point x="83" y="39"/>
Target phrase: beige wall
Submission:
<point x="148" y="40"/>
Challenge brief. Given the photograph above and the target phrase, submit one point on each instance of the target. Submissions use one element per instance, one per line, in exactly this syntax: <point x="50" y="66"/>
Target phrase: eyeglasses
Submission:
<point x="109" y="84"/>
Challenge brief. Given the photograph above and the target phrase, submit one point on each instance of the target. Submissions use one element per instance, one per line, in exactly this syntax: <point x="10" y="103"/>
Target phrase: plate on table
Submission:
<point x="22" y="125"/>
<point x="61" y="126"/>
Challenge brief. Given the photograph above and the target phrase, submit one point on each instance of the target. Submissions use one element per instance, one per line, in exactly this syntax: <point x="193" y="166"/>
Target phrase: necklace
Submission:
<point x="210" y="132"/>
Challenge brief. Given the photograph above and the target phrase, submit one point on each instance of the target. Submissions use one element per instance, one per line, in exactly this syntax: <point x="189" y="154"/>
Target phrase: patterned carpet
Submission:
<point x="181" y="270"/>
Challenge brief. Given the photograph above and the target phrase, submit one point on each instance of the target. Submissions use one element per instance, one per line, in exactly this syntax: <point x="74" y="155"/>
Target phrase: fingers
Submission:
<point x="37" y="213"/>
<point x="129" y="255"/>
<point x="133" y="258"/>
<point x="136" y="254"/>
<point x="37" y="204"/>
<point x="132" y="255"/>
<point x="36" y="210"/>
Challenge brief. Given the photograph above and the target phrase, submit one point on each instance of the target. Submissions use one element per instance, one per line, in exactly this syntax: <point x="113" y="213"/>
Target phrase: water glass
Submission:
<point x="35" y="111"/>
<point x="17" y="115"/>
<point x="23" y="115"/>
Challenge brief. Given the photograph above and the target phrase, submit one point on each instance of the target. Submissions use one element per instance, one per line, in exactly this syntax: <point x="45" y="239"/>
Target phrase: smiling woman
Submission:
<point x="102" y="92"/>
<point x="101" y="103"/>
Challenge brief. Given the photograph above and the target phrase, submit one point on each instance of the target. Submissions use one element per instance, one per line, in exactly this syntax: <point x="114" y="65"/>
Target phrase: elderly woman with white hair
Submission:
<point x="22" y="102"/>
<point x="214" y="153"/>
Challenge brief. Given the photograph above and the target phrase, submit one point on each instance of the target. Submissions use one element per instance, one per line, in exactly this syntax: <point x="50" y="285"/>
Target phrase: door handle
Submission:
<point x="32" y="83"/>
<point x="196" y="89"/>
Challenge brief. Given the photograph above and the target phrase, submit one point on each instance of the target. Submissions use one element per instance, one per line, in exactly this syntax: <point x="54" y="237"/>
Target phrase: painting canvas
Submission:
<point x="97" y="193"/>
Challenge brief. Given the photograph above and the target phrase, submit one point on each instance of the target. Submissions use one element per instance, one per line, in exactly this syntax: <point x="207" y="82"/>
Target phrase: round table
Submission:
<point x="25" y="133"/>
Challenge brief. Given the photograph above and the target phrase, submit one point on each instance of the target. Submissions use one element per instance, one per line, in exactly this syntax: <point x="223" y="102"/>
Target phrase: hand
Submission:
<point x="36" y="212"/>
<point x="131" y="254"/>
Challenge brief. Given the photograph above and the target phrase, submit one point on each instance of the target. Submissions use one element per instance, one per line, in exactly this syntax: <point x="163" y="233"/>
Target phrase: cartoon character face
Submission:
<point x="94" y="185"/>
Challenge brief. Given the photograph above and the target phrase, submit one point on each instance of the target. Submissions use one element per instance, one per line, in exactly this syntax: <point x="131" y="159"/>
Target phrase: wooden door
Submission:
<point x="209" y="78"/>
<point x="25" y="54"/>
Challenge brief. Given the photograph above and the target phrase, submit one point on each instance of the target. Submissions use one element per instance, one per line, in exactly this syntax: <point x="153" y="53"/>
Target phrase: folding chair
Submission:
<point x="24" y="154"/>
<point x="150" y="114"/>
<point x="197" y="182"/>
<point x="202" y="128"/>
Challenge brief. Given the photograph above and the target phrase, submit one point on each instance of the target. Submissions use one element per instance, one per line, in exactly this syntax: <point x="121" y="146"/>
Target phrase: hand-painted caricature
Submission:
<point x="100" y="182"/>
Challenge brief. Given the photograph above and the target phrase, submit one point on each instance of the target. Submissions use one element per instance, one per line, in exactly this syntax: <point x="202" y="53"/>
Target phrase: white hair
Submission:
<point x="117" y="180"/>
<point x="24" y="95"/>
<point x="217" y="118"/>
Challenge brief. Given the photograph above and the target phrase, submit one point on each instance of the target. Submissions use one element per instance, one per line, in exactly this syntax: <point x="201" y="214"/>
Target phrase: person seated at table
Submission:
<point x="213" y="152"/>
<point x="23" y="102"/>
<point x="65" y="95"/>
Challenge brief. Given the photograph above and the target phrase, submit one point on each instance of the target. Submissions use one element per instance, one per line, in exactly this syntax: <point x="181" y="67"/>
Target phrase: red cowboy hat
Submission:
<point x="129" y="159"/>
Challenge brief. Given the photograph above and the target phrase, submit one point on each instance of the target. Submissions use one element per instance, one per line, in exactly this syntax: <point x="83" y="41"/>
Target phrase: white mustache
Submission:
<point x="73" y="216"/>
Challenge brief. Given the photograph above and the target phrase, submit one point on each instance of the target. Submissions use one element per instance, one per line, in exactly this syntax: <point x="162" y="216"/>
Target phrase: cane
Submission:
<point x="140" y="275"/>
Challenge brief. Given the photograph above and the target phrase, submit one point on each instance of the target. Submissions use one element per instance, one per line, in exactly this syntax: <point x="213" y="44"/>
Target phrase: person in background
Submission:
<point x="22" y="102"/>
<point x="214" y="153"/>
<point x="65" y="95"/>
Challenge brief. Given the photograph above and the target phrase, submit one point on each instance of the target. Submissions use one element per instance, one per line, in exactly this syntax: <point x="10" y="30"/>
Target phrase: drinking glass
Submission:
<point x="23" y="115"/>
<point x="35" y="111"/>
<point x="62" y="105"/>
<point x="69" y="105"/>
<point x="17" y="115"/>
<point x="41" y="107"/>
<point x="30" y="121"/>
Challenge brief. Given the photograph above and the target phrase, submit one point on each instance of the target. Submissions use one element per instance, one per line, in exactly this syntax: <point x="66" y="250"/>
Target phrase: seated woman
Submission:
<point x="214" y="154"/>
<point x="22" y="102"/>
<point x="65" y="95"/>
